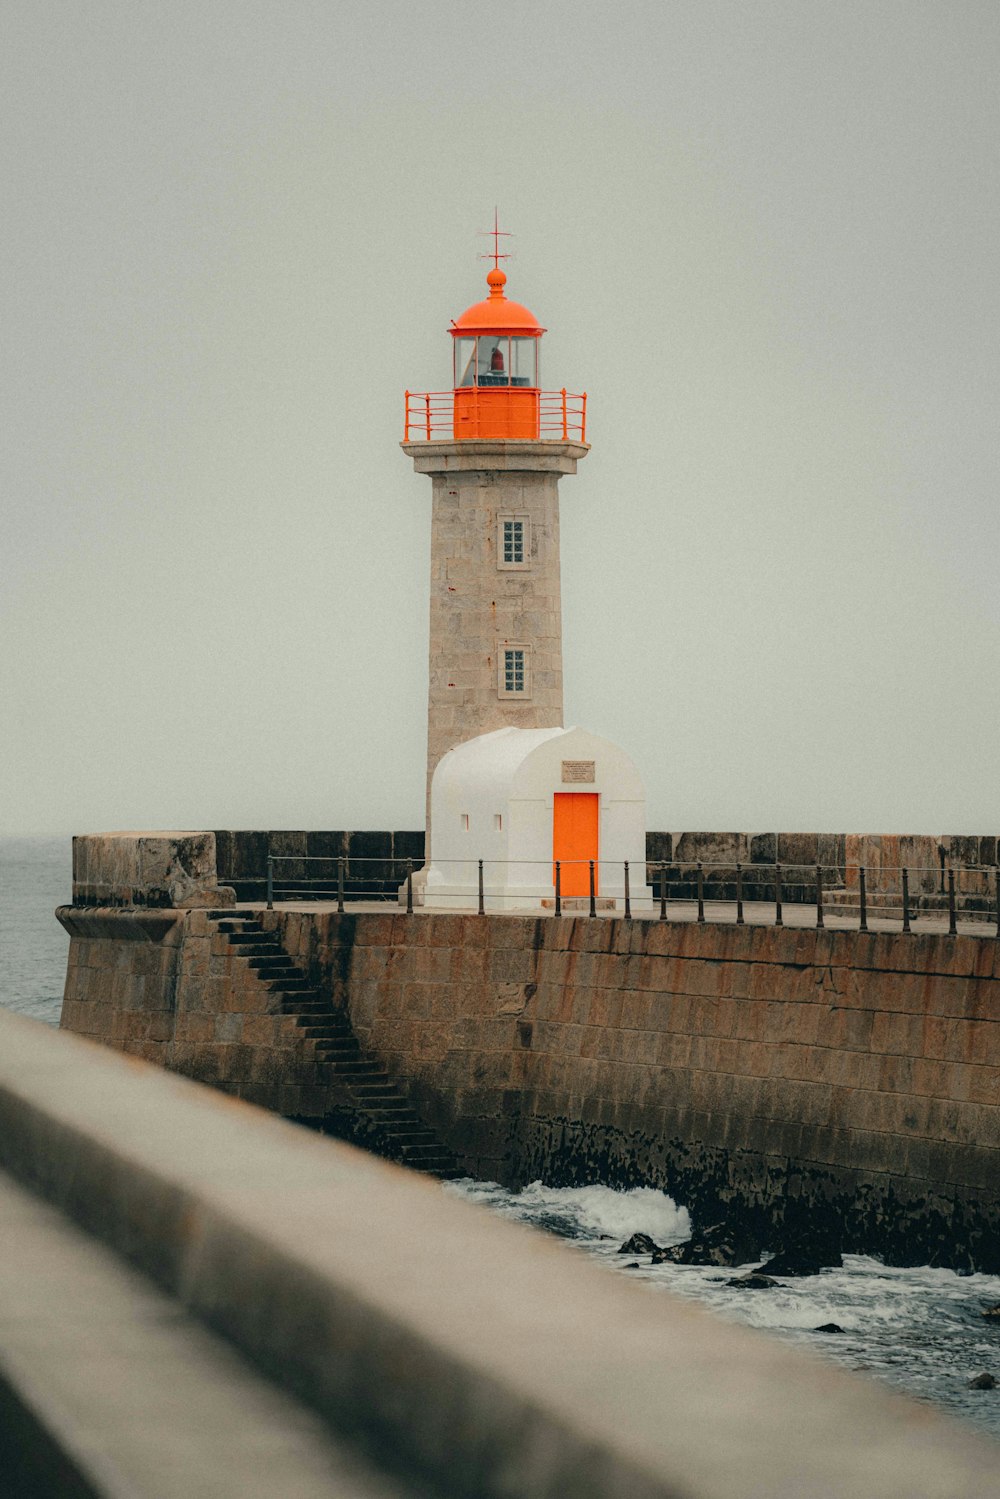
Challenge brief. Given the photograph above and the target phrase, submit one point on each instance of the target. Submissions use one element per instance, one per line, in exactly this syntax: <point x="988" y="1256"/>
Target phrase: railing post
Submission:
<point x="270" y="883"/>
<point x="906" y="900"/>
<point x="409" y="887"/>
<point x="583" y="418"/>
<point x="340" y="882"/>
<point x="739" y="895"/>
<point x="406" y="419"/>
<point x="863" y="897"/>
<point x="427" y="403"/>
<point x="482" y="892"/>
<point x="558" y="887"/>
<point x="663" y="892"/>
<point x="593" y="892"/>
<point x="628" y="897"/>
<point x="952" y="914"/>
<point x="701" y="892"/>
<point x="819" y="896"/>
<point x="563" y="394"/>
<point x="779" y="915"/>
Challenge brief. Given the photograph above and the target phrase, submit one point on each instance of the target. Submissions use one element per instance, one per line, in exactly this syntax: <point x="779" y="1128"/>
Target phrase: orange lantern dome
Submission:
<point x="497" y="314"/>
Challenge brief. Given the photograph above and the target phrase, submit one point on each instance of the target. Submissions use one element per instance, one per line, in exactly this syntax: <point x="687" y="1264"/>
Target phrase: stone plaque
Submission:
<point x="577" y="771"/>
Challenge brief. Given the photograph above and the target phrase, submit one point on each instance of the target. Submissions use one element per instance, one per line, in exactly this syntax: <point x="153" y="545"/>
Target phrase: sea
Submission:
<point x="919" y="1329"/>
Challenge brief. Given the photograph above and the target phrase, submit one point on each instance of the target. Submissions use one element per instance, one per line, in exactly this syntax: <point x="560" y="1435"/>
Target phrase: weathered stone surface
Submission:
<point x="763" y="848"/>
<point x="146" y="869"/>
<point x="798" y="848"/>
<point x="774" y="1079"/>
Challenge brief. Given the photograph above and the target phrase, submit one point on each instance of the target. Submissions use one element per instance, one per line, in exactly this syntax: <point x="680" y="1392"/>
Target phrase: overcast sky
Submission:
<point x="764" y="237"/>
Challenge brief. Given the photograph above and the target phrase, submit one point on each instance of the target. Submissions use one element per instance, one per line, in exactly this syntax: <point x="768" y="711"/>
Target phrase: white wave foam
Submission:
<point x="589" y="1212"/>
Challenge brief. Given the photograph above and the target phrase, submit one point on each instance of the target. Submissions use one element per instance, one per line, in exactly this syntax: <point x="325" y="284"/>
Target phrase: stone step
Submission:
<point x="377" y="1097"/>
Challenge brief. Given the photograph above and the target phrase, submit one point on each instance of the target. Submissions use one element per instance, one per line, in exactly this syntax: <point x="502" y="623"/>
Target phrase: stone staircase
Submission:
<point x="387" y="1122"/>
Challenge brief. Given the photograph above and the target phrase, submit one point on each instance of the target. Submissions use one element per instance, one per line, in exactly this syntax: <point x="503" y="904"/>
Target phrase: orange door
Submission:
<point x="574" y="840"/>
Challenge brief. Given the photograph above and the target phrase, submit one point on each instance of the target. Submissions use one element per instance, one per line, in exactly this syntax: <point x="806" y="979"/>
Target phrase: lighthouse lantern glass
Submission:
<point x="465" y="361"/>
<point x="495" y="359"/>
<point x="523" y="361"/>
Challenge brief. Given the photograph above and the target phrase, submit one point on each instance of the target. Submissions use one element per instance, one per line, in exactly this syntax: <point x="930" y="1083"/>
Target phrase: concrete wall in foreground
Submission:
<point x="360" y="1290"/>
<point x="783" y="1072"/>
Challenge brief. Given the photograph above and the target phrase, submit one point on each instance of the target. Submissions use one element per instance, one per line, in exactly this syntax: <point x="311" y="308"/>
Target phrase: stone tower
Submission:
<point x="495" y="447"/>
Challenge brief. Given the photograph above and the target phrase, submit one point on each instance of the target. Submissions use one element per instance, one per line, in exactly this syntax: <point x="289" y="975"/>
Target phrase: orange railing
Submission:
<point x="430" y="415"/>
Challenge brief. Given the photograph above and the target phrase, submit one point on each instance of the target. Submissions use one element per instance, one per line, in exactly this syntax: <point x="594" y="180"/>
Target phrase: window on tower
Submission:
<point x="515" y="671"/>
<point x="513" y="543"/>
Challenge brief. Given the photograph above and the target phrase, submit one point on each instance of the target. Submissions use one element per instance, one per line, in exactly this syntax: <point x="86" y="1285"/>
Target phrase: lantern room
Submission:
<point x="496" y="392"/>
<point x="495" y="348"/>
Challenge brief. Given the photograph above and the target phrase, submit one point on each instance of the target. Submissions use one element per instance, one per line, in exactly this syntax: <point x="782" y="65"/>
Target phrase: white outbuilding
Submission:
<point x="536" y="805"/>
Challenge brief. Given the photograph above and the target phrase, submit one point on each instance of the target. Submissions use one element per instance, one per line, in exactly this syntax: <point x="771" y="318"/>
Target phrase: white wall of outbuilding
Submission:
<point x="492" y="799"/>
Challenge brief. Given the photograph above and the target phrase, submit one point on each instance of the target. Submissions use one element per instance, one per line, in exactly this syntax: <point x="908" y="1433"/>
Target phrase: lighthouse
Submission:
<point x="495" y="447"/>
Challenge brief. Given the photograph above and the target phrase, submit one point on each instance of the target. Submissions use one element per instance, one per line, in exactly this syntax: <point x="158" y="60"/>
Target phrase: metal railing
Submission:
<point x="760" y="894"/>
<point x="430" y="414"/>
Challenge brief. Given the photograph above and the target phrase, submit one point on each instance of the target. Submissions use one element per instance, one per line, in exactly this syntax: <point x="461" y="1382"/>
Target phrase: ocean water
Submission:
<point x="36" y="875"/>
<point x="920" y="1330"/>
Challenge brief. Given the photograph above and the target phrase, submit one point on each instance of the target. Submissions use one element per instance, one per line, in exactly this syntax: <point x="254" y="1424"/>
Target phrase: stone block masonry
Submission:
<point x="376" y="863"/>
<point x="170" y="988"/>
<point x="781" y="1073"/>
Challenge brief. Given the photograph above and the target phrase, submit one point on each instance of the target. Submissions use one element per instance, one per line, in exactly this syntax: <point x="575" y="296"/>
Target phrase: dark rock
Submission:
<point x="752" y="1282"/>
<point x="720" y="1244"/>
<point x="983" y="1381"/>
<point x="992" y="1312"/>
<point x="804" y="1252"/>
<point x="634" y="1266"/>
<point x="828" y="1327"/>
<point x="640" y="1244"/>
<point x="802" y="1262"/>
